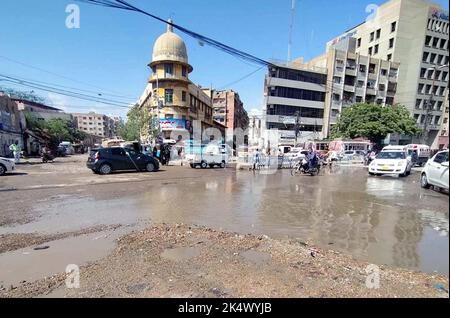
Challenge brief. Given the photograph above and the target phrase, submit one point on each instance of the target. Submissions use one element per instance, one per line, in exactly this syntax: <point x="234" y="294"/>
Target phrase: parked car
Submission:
<point x="435" y="172"/>
<point x="6" y="165"/>
<point x="296" y="154"/>
<point x="107" y="160"/>
<point x="391" y="160"/>
<point x="422" y="153"/>
<point x="68" y="147"/>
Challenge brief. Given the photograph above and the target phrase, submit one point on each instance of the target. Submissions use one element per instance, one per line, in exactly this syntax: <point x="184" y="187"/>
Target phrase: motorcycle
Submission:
<point x="46" y="157"/>
<point x="302" y="167"/>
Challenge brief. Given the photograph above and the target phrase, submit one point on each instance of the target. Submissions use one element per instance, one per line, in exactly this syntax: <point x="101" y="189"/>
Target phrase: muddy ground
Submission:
<point x="192" y="261"/>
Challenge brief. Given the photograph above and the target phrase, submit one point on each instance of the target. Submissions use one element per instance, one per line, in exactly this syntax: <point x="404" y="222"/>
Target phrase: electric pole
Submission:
<point x="297" y="125"/>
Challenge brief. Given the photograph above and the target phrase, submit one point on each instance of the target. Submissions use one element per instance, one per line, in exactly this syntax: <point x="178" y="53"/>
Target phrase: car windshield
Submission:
<point x="391" y="155"/>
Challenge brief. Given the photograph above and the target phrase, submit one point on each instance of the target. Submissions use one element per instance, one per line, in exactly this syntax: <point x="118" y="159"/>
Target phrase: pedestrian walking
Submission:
<point x="15" y="149"/>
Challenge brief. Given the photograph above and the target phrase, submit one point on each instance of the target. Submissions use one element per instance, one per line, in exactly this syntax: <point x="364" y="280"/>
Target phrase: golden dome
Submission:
<point x="169" y="47"/>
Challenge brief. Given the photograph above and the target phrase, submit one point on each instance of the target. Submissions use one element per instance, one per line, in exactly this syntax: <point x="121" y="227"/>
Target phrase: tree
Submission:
<point x="138" y="124"/>
<point x="374" y="122"/>
<point x="30" y="96"/>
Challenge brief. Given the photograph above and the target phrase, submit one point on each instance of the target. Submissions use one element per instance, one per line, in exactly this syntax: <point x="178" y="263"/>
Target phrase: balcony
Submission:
<point x="370" y="91"/>
<point x="350" y="71"/>
<point x="349" y="88"/>
<point x="372" y="76"/>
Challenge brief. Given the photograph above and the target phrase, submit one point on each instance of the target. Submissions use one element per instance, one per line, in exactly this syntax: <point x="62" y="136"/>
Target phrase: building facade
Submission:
<point x="96" y="124"/>
<point x="294" y="96"/>
<point x="229" y="111"/>
<point x="12" y="125"/>
<point x="414" y="33"/>
<point x="442" y="141"/>
<point x="181" y="108"/>
<point x="41" y="111"/>
<point x="354" y="78"/>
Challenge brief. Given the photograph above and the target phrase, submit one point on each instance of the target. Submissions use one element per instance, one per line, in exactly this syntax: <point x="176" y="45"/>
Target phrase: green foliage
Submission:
<point x="57" y="128"/>
<point x="374" y="122"/>
<point x="137" y="124"/>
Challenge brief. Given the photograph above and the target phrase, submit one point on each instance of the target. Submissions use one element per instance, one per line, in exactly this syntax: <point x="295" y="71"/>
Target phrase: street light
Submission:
<point x="428" y="103"/>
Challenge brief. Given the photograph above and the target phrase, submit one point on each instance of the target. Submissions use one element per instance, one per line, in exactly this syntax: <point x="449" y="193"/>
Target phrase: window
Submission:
<point x="358" y="99"/>
<point x="336" y="97"/>
<point x="439" y="105"/>
<point x="420" y="89"/>
<point x="358" y="43"/>
<point x="391" y="43"/>
<point x="441" y="157"/>
<point x="168" y="96"/>
<point x="393" y="26"/>
<point x="437" y="119"/>
<point x="416" y="117"/>
<point x="371" y="68"/>
<point x="423" y="72"/>
<point x="183" y="96"/>
<point x="117" y="152"/>
<point x="442" y="91"/>
<point x="439" y="60"/>
<point x="336" y="79"/>
<point x="435" y="42"/>
<point x="362" y="68"/>
<point x="382" y="87"/>
<point x="378" y="33"/>
<point x="442" y="44"/>
<point x="376" y="49"/>
<point x="360" y="84"/>
<point x="425" y="56"/>
<point x="432" y="58"/>
<point x="372" y="36"/>
<point x="370" y="51"/>
<point x="418" y="102"/>
<point x="428" y="40"/>
<point x="389" y="57"/>
<point x="383" y="71"/>
<point x="183" y="71"/>
<point x="168" y="69"/>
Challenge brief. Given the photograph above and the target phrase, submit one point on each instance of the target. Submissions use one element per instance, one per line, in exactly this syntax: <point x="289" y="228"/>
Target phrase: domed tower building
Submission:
<point x="183" y="106"/>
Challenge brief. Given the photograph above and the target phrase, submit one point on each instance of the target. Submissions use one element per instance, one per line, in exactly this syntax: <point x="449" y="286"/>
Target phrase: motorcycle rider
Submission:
<point x="313" y="158"/>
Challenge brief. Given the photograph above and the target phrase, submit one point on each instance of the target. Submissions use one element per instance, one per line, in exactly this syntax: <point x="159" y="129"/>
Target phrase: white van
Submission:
<point x="423" y="153"/>
<point x="393" y="160"/>
<point x="211" y="156"/>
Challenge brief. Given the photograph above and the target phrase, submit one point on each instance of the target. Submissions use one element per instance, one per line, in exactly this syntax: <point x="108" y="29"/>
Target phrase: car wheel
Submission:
<point x="371" y="173"/>
<point x="424" y="181"/>
<point x="2" y="170"/>
<point x="204" y="165"/>
<point x="105" y="169"/>
<point x="402" y="175"/>
<point x="150" y="167"/>
<point x="223" y="165"/>
<point x="192" y="165"/>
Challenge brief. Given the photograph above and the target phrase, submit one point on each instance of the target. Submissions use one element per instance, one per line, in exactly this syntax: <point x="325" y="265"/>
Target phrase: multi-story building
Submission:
<point x="294" y="97"/>
<point x="255" y="126"/>
<point x="95" y="124"/>
<point x="442" y="141"/>
<point x="41" y="111"/>
<point x="181" y="107"/>
<point x="229" y="111"/>
<point x="354" y="78"/>
<point x="415" y="34"/>
<point x="11" y="125"/>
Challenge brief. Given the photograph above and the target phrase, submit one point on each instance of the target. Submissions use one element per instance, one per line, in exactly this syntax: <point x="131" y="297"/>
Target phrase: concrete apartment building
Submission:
<point x="12" y="125"/>
<point x="95" y="124"/>
<point x="443" y="132"/>
<point x="293" y="92"/>
<point x="354" y="78"/>
<point x="228" y="110"/>
<point x="415" y="34"/>
<point x="171" y="96"/>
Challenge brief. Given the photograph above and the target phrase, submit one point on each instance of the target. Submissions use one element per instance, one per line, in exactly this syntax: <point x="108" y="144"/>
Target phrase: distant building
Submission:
<point x="294" y="92"/>
<point x="354" y="78"/>
<point x="41" y="111"/>
<point x="12" y="125"/>
<point x="171" y="98"/>
<point x="414" y="33"/>
<point x="96" y="124"/>
<point x="255" y="129"/>
<point x="229" y="111"/>
<point x="442" y="141"/>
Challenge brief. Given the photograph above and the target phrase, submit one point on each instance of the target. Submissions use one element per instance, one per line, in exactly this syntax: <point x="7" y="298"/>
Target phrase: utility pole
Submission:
<point x="330" y="110"/>
<point x="297" y="125"/>
<point x="290" y="30"/>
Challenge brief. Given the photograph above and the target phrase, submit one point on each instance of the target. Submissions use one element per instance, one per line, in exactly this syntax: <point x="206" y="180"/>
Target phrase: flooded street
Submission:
<point x="382" y="220"/>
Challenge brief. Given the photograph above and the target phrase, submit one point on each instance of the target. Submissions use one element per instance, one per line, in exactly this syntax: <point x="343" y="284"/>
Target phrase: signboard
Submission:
<point x="339" y="39"/>
<point x="287" y="120"/>
<point x="174" y="123"/>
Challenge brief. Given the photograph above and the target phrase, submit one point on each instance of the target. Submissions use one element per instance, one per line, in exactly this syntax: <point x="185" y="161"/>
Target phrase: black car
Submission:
<point x="106" y="160"/>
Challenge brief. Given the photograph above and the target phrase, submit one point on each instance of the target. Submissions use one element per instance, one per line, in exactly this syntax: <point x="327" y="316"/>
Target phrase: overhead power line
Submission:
<point x="111" y="93"/>
<point x="63" y="92"/>
<point x="123" y="5"/>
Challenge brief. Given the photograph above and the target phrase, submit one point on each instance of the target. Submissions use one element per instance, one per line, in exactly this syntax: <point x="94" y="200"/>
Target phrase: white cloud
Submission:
<point x="58" y="101"/>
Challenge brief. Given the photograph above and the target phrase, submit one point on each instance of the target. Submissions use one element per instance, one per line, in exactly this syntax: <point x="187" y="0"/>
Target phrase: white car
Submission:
<point x="295" y="154"/>
<point x="6" y="165"/>
<point x="435" y="172"/>
<point x="212" y="155"/>
<point x="391" y="161"/>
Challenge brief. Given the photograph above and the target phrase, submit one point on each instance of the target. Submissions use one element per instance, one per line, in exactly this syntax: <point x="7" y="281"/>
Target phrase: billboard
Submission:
<point x="174" y="123"/>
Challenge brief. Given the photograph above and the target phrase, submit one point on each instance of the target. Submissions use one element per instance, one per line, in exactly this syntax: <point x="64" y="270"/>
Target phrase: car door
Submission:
<point x="119" y="159"/>
<point x="436" y="170"/>
<point x="136" y="159"/>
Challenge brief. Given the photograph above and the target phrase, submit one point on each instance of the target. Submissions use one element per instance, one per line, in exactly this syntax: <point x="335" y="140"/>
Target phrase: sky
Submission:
<point x="110" y="51"/>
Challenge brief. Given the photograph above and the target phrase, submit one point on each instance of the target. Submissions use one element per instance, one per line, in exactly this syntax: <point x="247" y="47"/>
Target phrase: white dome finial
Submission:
<point x="169" y="26"/>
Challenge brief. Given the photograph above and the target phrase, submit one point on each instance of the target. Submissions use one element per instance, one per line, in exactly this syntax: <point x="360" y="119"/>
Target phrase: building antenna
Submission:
<point x="290" y="30"/>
